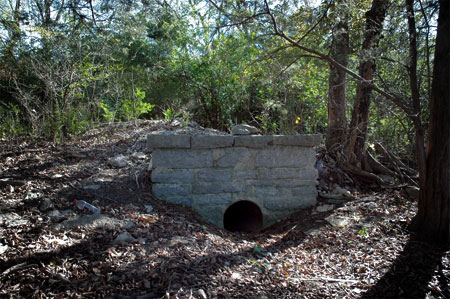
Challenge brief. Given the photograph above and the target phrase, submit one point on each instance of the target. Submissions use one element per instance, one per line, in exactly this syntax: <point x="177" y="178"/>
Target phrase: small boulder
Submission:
<point x="324" y="208"/>
<point x="338" y="221"/>
<point x="124" y="238"/>
<point x="244" y="130"/>
<point x="118" y="161"/>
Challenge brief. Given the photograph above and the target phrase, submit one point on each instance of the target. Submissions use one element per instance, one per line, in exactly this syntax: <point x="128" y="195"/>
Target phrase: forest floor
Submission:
<point x="140" y="247"/>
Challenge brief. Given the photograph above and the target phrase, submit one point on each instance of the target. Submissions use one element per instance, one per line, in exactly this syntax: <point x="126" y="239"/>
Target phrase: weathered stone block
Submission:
<point x="303" y="202"/>
<point x="304" y="191"/>
<point x="179" y="158"/>
<point x="168" y="141"/>
<point x="269" y="192"/>
<point x="297" y="140"/>
<point x="167" y="190"/>
<point x="179" y="200"/>
<point x="238" y="158"/>
<point x="214" y="175"/>
<point x="274" y="204"/>
<point x="286" y="173"/>
<point x="211" y="141"/>
<point x="286" y="183"/>
<point x="217" y="187"/>
<point x="212" y="199"/>
<point x="285" y="156"/>
<point x="253" y="141"/>
<point x="170" y="176"/>
<point x="245" y="174"/>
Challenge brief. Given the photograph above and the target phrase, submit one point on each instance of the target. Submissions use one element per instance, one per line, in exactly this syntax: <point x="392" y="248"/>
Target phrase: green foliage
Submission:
<point x="135" y="107"/>
<point x="11" y="125"/>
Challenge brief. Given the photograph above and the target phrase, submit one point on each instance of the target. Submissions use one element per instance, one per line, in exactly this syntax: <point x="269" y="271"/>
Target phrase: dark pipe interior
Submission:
<point x="243" y="216"/>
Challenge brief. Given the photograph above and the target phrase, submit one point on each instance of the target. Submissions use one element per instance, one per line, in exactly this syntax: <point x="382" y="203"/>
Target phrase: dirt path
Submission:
<point x="142" y="248"/>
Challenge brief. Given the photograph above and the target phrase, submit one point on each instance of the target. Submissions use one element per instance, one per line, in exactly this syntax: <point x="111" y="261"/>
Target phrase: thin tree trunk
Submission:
<point x="433" y="217"/>
<point x="337" y="121"/>
<point x="360" y="115"/>
<point x="417" y="110"/>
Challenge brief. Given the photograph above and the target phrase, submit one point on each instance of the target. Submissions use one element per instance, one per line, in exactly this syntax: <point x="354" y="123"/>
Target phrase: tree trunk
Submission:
<point x="416" y="108"/>
<point x="360" y="115"/>
<point x="432" y="221"/>
<point x="337" y="121"/>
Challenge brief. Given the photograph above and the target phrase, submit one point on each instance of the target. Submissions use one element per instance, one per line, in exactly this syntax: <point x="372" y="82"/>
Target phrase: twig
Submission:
<point x="330" y="279"/>
<point x="18" y="267"/>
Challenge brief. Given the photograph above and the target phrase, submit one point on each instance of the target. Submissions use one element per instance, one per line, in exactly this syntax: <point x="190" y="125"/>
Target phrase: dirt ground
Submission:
<point x="140" y="247"/>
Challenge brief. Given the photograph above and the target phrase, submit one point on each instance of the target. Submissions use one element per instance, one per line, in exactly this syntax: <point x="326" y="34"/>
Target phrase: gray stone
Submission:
<point x="274" y="204"/>
<point x="286" y="183"/>
<point x="244" y="129"/>
<point x="324" y="208"/>
<point x="45" y="205"/>
<point x="338" y="221"/>
<point x="58" y="216"/>
<point x="214" y="175"/>
<point x="307" y="140"/>
<point x="296" y="203"/>
<point x="179" y="200"/>
<point x="182" y="158"/>
<point x="95" y="221"/>
<point x="269" y="191"/>
<point x="253" y="141"/>
<point x="211" y="141"/>
<point x="212" y="199"/>
<point x="148" y="208"/>
<point x="287" y="173"/>
<point x="285" y="156"/>
<point x="139" y="155"/>
<point x="12" y="220"/>
<point x="124" y="238"/>
<point x="164" y="190"/>
<point x="217" y="187"/>
<point x="245" y="174"/>
<point x="238" y="158"/>
<point x="304" y="191"/>
<point x="168" y="140"/>
<point x="118" y="161"/>
<point x="172" y="176"/>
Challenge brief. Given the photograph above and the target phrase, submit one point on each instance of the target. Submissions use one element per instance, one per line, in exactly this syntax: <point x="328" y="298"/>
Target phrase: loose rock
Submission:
<point x="124" y="238"/>
<point x="118" y="161"/>
<point x="244" y="130"/>
<point x="324" y="208"/>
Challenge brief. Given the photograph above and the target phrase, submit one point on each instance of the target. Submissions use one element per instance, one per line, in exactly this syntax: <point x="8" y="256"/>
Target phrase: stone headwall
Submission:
<point x="211" y="172"/>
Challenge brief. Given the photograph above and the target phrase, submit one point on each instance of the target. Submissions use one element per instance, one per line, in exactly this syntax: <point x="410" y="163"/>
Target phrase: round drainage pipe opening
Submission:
<point x="243" y="216"/>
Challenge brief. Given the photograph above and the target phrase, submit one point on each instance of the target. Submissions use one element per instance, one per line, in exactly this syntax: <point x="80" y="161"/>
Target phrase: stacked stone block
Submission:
<point x="211" y="172"/>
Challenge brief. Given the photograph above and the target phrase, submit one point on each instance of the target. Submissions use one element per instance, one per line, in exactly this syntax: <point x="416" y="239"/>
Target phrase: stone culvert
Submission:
<point x="241" y="183"/>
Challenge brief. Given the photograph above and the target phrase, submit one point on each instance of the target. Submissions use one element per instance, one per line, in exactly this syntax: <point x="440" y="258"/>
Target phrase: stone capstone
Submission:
<point x="211" y="172"/>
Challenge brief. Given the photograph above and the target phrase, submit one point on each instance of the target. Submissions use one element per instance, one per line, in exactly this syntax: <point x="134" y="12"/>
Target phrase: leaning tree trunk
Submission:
<point x="360" y="115"/>
<point x="433" y="216"/>
<point x="337" y="121"/>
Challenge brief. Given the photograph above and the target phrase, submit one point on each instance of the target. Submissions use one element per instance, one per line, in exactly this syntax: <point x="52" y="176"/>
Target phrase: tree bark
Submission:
<point x="337" y="121"/>
<point x="360" y="115"/>
<point x="432" y="221"/>
<point x="416" y="108"/>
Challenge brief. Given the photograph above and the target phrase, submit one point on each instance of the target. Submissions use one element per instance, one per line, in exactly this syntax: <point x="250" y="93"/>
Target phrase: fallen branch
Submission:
<point x="18" y="267"/>
<point x="330" y="279"/>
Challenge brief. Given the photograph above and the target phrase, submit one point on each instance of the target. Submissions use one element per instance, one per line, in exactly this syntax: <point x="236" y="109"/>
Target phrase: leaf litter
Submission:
<point x="169" y="252"/>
